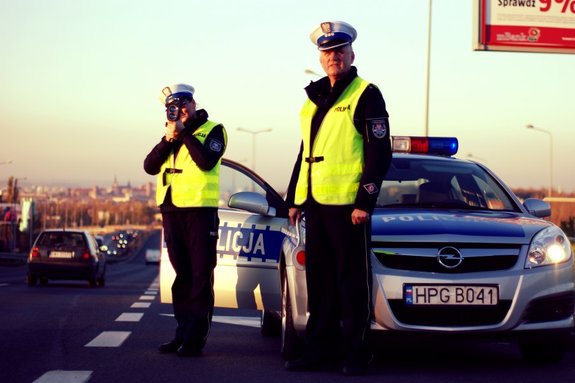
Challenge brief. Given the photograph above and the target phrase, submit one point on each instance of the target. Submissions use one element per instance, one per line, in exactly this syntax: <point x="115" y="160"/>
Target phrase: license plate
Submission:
<point x="479" y="295"/>
<point x="62" y="254"/>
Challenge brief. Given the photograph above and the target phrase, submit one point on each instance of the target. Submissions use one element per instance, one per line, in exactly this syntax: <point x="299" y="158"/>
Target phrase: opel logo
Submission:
<point x="449" y="257"/>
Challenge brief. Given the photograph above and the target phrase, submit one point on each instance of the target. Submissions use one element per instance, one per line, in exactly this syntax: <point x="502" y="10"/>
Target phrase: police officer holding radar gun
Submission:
<point x="343" y="158"/>
<point x="187" y="163"/>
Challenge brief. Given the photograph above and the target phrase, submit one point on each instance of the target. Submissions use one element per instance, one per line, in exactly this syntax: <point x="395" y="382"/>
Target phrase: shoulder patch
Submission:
<point x="379" y="128"/>
<point x="371" y="188"/>
<point x="215" y="146"/>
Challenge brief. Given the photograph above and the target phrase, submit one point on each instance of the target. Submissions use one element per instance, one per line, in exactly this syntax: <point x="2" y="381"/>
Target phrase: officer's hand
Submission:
<point x="173" y="129"/>
<point x="294" y="215"/>
<point x="359" y="216"/>
<point x="171" y="133"/>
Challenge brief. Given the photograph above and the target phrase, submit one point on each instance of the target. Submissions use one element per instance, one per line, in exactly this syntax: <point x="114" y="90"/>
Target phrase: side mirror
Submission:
<point x="537" y="207"/>
<point x="252" y="202"/>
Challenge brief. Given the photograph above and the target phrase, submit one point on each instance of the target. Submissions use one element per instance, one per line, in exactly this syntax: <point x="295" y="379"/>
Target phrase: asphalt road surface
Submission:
<point x="67" y="332"/>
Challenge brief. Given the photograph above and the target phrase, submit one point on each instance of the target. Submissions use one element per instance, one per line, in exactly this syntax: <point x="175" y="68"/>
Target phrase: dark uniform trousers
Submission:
<point x="191" y="238"/>
<point x="338" y="276"/>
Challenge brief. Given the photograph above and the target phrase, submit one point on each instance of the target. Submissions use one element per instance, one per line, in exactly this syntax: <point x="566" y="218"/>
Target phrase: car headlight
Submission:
<point x="549" y="247"/>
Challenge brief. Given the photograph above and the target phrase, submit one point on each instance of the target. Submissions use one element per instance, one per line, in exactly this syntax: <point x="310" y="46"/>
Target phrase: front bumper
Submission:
<point x="529" y="300"/>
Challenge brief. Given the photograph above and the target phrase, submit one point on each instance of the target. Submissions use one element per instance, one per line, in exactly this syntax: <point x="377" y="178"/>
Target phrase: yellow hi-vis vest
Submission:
<point x="189" y="185"/>
<point x="333" y="163"/>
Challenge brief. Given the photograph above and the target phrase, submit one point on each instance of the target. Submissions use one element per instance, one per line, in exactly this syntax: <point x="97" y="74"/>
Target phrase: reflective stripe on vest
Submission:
<point x="336" y="156"/>
<point x="189" y="185"/>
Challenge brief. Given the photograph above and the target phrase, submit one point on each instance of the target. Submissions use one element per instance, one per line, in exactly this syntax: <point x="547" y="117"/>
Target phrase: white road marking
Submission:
<point x="239" y="321"/>
<point x="130" y="317"/>
<point x="151" y="292"/>
<point x="61" y="376"/>
<point x="109" y="339"/>
<point x="140" y="305"/>
<point x="147" y="298"/>
<point x="3" y="284"/>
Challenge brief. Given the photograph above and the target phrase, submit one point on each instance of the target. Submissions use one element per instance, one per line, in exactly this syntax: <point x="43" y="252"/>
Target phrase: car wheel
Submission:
<point x="291" y="342"/>
<point x="31" y="280"/>
<point x="548" y="350"/>
<point x="271" y="324"/>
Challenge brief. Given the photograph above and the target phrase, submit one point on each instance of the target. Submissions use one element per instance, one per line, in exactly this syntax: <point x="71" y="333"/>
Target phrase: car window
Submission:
<point x="56" y="239"/>
<point x="428" y="182"/>
<point x="233" y="181"/>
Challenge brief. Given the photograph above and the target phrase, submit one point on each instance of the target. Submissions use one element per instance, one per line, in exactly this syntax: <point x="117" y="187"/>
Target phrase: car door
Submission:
<point x="252" y="215"/>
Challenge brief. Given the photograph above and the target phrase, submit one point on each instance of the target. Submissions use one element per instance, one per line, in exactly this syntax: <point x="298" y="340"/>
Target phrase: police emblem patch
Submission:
<point x="371" y="188"/>
<point x="215" y="146"/>
<point x="379" y="128"/>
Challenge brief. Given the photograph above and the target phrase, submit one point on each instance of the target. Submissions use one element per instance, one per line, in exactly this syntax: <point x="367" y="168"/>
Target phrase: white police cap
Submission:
<point x="333" y="34"/>
<point x="173" y="92"/>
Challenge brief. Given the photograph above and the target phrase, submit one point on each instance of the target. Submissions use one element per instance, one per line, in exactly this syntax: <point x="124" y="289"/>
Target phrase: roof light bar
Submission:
<point x="444" y="146"/>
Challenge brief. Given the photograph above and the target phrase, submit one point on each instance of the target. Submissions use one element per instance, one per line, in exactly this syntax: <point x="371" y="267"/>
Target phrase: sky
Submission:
<point x="80" y="80"/>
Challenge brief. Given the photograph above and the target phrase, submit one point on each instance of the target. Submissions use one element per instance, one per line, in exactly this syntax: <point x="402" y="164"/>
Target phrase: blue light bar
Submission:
<point x="443" y="146"/>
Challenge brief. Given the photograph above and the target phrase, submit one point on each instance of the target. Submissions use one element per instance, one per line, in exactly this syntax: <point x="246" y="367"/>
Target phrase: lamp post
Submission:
<point x="426" y="116"/>
<point x="312" y="73"/>
<point x="254" y="133"/>
<point x="530" y="126"/>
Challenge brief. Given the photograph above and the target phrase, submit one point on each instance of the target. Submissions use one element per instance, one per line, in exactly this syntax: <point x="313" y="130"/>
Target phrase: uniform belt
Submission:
<point x="172" y="170"/>
<point x="311" y="160"/>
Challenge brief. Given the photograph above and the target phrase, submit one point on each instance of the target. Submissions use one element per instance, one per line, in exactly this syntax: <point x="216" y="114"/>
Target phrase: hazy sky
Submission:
<point x="80" y="80"/>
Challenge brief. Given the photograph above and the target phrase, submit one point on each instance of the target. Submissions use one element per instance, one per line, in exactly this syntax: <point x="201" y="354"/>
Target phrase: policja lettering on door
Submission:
<point x="249" y="242"/>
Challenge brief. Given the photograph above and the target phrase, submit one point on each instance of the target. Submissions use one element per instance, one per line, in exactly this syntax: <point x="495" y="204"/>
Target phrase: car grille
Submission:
<point x="424" y="257"/>
<point x="449" y="316"/>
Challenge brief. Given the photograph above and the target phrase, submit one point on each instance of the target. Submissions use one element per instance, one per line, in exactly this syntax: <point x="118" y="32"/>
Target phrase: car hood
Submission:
<point x="403" y="225"/>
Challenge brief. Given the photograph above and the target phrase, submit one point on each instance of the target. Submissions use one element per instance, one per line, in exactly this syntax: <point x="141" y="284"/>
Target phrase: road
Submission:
<point x="69" y="332"/>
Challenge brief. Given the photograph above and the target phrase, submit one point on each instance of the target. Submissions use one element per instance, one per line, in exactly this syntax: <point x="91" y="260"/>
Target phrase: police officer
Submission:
<point x="187" y="162"/>
<point x="343" y="158"/>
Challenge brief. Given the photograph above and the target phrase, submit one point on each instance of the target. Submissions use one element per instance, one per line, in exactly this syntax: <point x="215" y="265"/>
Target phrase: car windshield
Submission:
<point x="442" y="183"/>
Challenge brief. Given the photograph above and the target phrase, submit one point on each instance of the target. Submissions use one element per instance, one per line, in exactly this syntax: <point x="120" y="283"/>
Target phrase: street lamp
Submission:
<point x="530" y="126"/>
<point x="254" y="133"/>
<point x="312" y="72"/>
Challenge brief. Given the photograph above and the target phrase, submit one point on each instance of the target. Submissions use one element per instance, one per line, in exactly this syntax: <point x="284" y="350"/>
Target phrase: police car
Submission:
<point x="454" y="251"/>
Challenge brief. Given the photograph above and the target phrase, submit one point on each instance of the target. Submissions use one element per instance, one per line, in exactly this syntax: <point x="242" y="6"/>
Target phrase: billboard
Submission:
<point x="525" y="25"/>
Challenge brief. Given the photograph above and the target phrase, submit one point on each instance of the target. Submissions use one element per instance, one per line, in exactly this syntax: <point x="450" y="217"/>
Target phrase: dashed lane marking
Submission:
<point x="61" y="376"/>
<point x="140" y="305"/>
<point x="129" y="317"/>
<point x="147" y="298"/>
<point x="109" y="339"/>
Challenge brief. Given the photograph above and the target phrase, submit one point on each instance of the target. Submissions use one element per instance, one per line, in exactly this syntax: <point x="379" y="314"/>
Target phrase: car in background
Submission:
<point x="455" y="253"/>
<point x="66" y="254"/>
<point x="152" y="256"/>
